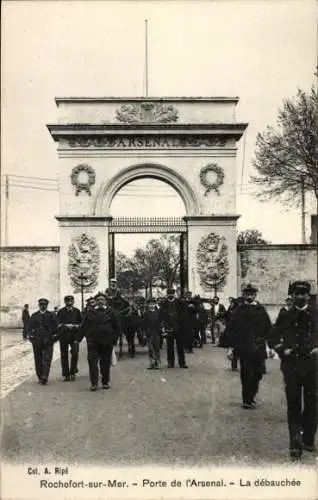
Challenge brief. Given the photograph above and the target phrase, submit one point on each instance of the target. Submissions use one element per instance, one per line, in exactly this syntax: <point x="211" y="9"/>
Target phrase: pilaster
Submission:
<point x="212" y="250"/>
<point x="83" y="249"/>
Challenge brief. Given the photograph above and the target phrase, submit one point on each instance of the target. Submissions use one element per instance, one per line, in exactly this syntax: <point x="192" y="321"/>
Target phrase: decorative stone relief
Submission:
<point x="212" y="262"/>
<point x="207" y="182"/>
<point x="149" y="112"/>
<point x="149" y="141"/>
<point x="84" y="263"/>
<point x="83" y="178"/>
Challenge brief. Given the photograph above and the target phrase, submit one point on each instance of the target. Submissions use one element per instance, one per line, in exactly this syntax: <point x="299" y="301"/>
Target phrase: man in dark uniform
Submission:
<point x="197" y="320"/>
<point x="121" y="307"/>
<point x="68" y="321"/>
<point x="231" y="355"/>
<point x="42" y="334"/>
<point x="170" y="317"/>
<point x="25" y="320"/>
<point x="287" y="307"/>
<point x="153" y="332"/>
<point x="100" y="327"/>
<point x="112" y="290"/>
<point x="90" y="304"/>
<point x="248" y="330"/>
<point x="295" y="339"/>
<point x="187" y="321"/>
<point x="204" y="322"/>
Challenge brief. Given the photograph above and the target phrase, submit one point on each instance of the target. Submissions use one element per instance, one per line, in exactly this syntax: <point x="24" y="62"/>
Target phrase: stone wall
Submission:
<point x="30" y="272"/>
<point x="27" y="273"/>
<point x="271" y="267"/>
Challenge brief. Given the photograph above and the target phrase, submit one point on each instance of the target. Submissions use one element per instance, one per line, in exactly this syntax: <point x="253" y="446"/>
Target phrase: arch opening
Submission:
<point x="147" y="197"/>
<point x="158" y="172"/>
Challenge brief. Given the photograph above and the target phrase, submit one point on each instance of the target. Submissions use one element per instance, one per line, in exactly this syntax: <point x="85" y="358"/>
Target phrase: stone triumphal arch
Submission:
<point x="189" y="143"/>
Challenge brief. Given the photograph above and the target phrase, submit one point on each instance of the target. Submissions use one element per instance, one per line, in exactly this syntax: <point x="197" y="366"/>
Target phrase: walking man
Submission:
<point x="187" y="321"/>
<point x="248" y="329"/>
<point x="42" y="334"/>
<point x="25" y="320"/>
<point x="170" y="316"/>
<point x="121" y="308"/>
<point x="231" y="355"/>
<point x="295" y="339"/>
<point x="287" y="307"/>
<point x="153" y="333"/>
<point x="218" y="314"/>
<point x="68" y="322"/>
<point x="100" y="327"/>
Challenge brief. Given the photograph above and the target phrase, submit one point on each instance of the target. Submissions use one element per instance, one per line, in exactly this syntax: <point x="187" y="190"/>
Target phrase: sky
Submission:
<point x="259" y="50"/>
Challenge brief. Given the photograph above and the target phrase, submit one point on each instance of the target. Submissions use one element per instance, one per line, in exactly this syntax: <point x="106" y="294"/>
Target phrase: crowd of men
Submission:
<point x="244" y="328"/>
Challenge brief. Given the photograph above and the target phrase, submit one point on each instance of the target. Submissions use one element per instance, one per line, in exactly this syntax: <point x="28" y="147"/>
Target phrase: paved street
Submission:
<point x="181" y="417"/>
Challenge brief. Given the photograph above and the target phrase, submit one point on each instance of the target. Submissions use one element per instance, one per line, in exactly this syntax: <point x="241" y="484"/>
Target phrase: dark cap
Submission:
<point x="152" y="301"/>
<point x="68" y="297"/>
<point x="100" y="294"/>
<point x="171" y="291"/>
<point x="299" y="287"/>
<point x="250" y="289"/>
<point x="43" y="301"/>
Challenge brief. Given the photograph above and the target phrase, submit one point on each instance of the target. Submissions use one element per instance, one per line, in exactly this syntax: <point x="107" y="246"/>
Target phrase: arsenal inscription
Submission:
<point x="147" y="142"/>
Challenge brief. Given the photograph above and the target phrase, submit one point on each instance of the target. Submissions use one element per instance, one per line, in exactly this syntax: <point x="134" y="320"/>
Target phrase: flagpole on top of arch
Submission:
<point x="146" y="58"/>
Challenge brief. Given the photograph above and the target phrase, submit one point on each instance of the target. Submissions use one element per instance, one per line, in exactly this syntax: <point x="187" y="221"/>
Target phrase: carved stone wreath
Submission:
<point x="84" y="263"/>
<point x="206" y="183"/>
<point x="212" y="262"/>
<point x="88" y="183"/>
<point x="147" y="112"/>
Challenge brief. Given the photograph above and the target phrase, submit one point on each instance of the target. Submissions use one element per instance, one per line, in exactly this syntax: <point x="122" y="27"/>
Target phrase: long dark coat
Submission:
<point x="297" y="330"/>
<point x="248" y="330"/>
<point x="64" y="317"/>
<point x="42" y="327"/>
<point x="100" y="326"/>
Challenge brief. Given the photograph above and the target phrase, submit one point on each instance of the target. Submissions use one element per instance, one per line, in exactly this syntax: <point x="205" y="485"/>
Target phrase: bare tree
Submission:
<point x="286" y="157"/>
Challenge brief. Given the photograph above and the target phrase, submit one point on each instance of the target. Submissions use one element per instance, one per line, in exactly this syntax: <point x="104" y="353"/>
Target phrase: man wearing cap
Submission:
<point x="248" y="329"/>
<point x="121" y="307"/>
<point x="113" y="290"/>
<point x="295" y="339"/>
<point x="68" y="321"/>
<point x="287" y="307"/>
<point x="25" y="320"/>
<point x="187" y="321"/>
<point x="170" y="317"/>
<point x="218" y="316"/>
<point x="42" y="334"/>
<point x="100" y="327"/>
<point x="152" y="327"/>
